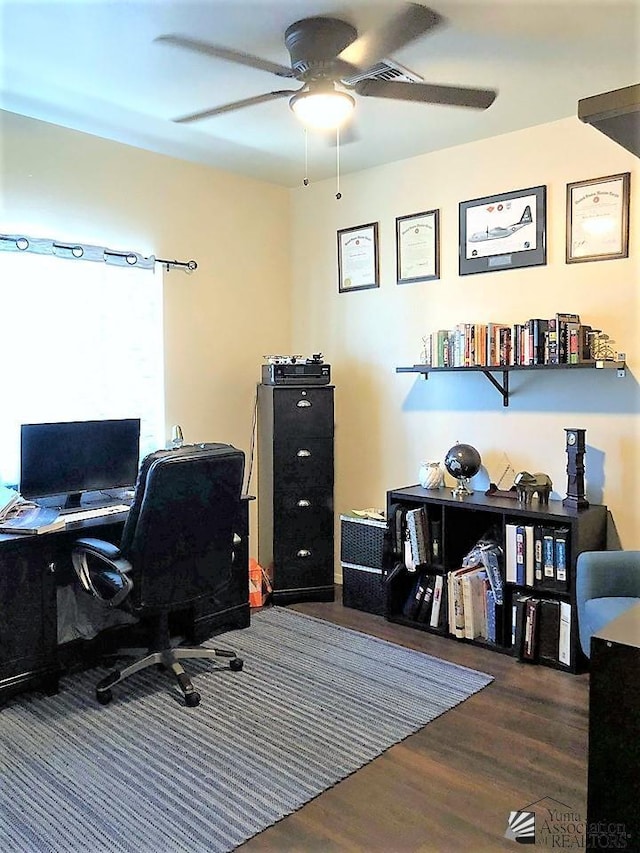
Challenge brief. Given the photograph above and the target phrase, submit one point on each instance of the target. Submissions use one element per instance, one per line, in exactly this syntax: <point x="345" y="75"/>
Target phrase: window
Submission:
<point x="79" y="341"/>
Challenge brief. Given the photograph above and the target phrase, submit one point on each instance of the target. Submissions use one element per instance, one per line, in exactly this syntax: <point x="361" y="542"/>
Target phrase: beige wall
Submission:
<point x="386" y="423"/>
<point x="266" y="282"/>
<point x="220" y="320"/>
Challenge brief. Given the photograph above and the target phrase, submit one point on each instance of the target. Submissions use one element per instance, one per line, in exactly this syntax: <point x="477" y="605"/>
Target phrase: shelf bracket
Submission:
<point x="504" y="388"/>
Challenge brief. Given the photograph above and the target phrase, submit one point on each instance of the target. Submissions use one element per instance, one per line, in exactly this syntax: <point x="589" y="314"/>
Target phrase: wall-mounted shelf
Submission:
<point x="505" y="370"/>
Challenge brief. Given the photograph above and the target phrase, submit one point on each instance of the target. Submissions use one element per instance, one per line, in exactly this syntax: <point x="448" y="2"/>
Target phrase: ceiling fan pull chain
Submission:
<point x="338" y="193"/>
<point x="306" y="159"/>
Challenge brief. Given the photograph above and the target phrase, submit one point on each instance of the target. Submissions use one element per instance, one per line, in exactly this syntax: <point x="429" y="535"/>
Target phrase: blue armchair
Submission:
<point x="607" y="584"/>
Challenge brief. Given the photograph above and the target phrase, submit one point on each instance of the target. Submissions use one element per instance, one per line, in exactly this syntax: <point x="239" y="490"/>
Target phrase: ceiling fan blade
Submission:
<point x="236" y="105"/>
<point x="409" y="24"/>
<point x="427" y="93"/>
<point x="226" y="53"/>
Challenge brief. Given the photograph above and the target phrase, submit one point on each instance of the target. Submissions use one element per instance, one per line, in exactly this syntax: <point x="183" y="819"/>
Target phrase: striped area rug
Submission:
<point x="145" y="774"/>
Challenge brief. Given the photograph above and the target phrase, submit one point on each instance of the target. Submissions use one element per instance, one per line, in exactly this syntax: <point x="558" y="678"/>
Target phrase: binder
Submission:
<point x="510" y="553"/>
<point x="520" y="603"/>
<point x="424" y="611"/>
<point x="530" y="643"/>
<point x="564" y="642"/>
<point x="548" y="556"/>
<point x="414" y="599"/>
<point x="520" y="554"/>
<point x="538" y="562"/>
<point x="548" y="630"/>
<point x="529" y="555"/>
<point x="561" y="535"/>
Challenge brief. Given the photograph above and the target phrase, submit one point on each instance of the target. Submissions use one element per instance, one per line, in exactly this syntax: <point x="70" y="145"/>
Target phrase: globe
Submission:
<point x="462" y="462"/>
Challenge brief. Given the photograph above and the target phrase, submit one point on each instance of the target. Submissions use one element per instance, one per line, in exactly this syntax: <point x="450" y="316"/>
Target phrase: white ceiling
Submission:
<point x="92" y="65"/>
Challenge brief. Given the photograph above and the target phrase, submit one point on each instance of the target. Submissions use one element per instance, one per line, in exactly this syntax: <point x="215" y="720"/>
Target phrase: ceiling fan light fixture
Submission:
<point x="322" y="108"/>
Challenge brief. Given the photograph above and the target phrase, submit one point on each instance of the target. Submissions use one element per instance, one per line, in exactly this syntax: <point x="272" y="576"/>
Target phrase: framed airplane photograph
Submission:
<point x="506" y="231"/>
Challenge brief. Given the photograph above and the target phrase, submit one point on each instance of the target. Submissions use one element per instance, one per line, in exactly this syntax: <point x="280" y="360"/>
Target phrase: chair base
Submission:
<point x="170" y="660"/>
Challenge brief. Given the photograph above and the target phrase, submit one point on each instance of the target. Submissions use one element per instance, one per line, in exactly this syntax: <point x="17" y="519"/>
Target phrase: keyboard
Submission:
<point x="83" y="514"/>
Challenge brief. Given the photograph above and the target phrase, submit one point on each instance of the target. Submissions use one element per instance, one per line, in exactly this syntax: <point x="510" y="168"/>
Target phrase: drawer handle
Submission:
<point x="302" y="453"/>
<point x="304" y="502"/>
<point x="303" y="552"/>
<point x="304" y="404"/>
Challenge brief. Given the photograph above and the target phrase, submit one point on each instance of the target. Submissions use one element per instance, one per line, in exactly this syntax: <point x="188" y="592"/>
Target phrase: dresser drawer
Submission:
<point x="303" y="462"/>
<point x="303" y="516"/>
<point x="303" y="412"/>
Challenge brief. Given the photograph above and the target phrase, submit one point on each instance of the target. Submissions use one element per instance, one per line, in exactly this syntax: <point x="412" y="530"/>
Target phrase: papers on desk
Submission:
<point x="8" y="499"/>
<point x="32" y="521"/>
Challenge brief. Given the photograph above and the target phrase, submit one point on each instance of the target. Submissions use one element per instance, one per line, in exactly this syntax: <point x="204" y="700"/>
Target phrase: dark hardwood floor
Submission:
<point x="451" y="786"/>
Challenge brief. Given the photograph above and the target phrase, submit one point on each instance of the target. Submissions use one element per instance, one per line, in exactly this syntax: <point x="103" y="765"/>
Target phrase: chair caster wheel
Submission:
<point x="236" y="664"/>
<point x="192" y="699"/>
<point x="104" y="696"/>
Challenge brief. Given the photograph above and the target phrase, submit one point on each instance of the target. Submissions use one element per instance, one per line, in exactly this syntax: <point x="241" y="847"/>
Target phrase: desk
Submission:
<point x="613" y="793"/>
<point x="32" y="567"/>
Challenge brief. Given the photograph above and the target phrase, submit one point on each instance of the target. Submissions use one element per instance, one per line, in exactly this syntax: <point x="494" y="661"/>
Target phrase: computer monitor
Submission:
<point x="70" y="458"/>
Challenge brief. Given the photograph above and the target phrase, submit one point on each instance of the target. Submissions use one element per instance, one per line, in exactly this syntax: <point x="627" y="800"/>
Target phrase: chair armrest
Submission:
<point x="102" y="570"/>
<point x="601" y="574"/>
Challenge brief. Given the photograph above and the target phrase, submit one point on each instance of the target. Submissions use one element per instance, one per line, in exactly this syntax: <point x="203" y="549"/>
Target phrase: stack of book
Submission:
<point x="561" y="339"/>
<point x="423" y="537"/>
<point x="475" y="593"/>
<point x="541" y="629"/>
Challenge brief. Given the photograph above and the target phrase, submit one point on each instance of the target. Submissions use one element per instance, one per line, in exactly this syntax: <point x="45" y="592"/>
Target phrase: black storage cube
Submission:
<point x="361" y="555"/>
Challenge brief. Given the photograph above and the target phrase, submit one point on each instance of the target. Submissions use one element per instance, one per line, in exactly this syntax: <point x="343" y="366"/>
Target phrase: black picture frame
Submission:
<point x="490" y="237"/>
<point x="422" y="254"/>
<point x="358" y="258"/>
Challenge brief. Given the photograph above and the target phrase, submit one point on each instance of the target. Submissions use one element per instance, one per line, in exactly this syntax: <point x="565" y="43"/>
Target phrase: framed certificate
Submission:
<point x="598" y="219"/>
<point x="358" y="258"/>
<point x="505" y="231"/>
<point x="418" y="247"/>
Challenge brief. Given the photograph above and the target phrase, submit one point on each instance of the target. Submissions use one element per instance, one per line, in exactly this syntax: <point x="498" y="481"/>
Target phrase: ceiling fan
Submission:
<point x="331" y="60"/>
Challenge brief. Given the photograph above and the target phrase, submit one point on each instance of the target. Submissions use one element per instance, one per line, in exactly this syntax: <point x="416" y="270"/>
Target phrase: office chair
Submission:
<point x="177" y="548"/>
<point x="607" y="584"/>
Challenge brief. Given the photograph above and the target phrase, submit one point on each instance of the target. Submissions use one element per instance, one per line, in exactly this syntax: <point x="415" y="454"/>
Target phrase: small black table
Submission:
<point x="613" y="792"/>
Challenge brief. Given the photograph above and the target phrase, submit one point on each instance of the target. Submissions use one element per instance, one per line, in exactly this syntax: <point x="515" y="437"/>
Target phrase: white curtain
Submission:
<point x="78" y="341"/>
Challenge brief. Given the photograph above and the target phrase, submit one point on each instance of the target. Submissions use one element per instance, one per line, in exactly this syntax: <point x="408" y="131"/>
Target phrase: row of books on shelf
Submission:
<point x="422" y="538"/>
<point x="561" y="339"/>
<point x="426" y="602"/>
<point x="541" y="629"/>
<point x="537" y="555"/>
<point x="464" y="601"/>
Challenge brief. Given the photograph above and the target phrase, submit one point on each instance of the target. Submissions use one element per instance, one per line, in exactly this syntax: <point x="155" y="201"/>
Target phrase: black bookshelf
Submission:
<point x="463" y="522"/>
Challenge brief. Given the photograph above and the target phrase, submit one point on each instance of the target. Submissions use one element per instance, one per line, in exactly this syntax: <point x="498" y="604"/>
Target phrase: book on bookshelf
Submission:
<point x="434" y="620"/>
